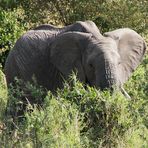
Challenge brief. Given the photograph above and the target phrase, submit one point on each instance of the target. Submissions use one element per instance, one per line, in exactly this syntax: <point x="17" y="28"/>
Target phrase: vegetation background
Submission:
<point x="77" y="117"/>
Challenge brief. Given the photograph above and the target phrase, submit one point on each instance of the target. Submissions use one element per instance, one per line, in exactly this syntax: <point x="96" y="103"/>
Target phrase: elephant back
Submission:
<point x="30" y="57"/>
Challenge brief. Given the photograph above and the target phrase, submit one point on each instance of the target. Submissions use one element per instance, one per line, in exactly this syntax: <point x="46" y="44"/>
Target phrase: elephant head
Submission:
<point x="103" y="62"/>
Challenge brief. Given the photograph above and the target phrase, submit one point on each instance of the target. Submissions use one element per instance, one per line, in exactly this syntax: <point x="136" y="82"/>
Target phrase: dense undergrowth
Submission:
<point x="79" y="116"/>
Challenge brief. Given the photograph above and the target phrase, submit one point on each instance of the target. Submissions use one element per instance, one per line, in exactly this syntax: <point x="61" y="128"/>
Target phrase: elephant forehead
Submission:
<point x="104" y="49"/>
<point x="107" y="44"/>
<point x="102" y="46"/>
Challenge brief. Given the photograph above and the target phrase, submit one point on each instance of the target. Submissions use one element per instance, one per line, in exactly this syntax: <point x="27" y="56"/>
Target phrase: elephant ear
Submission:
<point x="66" y="53"/>
<point x="131" y="48"/>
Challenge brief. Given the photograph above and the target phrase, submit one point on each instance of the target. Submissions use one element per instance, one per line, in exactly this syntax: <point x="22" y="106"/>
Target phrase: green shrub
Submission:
<point x="137" y="87"/>
<point x="54" y="124"/>
<point x="123" y="13"/>
<point x="108" y="15"/>
<point x="108" y="119"/>
<point x="12" y="25"/>
<point x="81" y="117"/>
<point x="3" y="94"/>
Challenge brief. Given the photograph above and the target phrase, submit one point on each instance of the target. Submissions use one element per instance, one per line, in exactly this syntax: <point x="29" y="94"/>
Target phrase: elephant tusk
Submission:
<point x="125" y="93"/>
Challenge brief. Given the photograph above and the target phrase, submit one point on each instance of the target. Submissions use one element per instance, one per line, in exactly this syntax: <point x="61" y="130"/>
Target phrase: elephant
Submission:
<point x="50" y="54"/>
<point x="47" y="33"/>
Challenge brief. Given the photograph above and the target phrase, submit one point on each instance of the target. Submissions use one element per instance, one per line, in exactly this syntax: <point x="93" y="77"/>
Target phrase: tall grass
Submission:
<point x="79" y="116"/>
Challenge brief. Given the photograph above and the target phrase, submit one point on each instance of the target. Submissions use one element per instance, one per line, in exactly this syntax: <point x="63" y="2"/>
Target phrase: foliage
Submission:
<point x="107" y="14"/>
<point x="7" y="3"/>
<point x="81" y="117"/>
<point x="55" y="125"/>
<point x="140" y="89"/>
<point x="123" y="13"/>
<point x="12" y="26"/>
<point x="3" y="93"/>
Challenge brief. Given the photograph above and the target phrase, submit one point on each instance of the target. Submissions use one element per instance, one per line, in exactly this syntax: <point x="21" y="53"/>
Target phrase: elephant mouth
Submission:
<point x="108" y="84"/>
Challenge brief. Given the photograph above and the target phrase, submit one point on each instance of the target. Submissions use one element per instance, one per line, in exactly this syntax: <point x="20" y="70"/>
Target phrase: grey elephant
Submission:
<point x="51" y="54"/>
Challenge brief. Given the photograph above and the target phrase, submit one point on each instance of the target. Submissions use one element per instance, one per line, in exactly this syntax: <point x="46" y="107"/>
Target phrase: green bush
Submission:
<point x="81" y="117"/>
<point x="123" y="13"/>
<point x="12" y="25"/>
<point x="106" y="14"/>
<point x="3" y="93"/>
<point x="137" y="87"/>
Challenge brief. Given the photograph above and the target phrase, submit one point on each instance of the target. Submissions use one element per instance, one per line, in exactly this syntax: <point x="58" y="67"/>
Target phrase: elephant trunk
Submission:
<point x="106" y="76"/>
